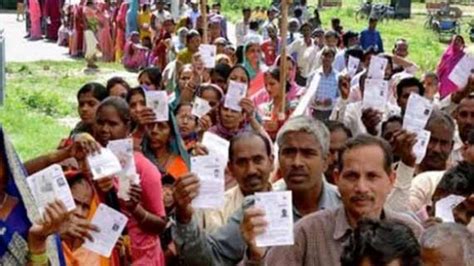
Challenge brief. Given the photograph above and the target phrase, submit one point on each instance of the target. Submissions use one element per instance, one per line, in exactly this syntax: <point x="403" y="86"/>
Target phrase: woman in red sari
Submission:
<point x="35" y="19"/>
<point x="76" y="44"/>
<point x="52" y="12"/>
<point x="105" y="33"/>
<point x="120" y="31"/>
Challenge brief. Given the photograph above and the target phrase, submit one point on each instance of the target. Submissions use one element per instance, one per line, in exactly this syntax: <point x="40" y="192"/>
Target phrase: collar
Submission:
<point x="342" y="228"/>
<point x="321" y="72"/>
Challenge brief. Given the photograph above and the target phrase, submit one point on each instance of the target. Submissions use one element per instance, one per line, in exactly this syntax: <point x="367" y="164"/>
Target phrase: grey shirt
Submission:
<point x="226" y="246"/>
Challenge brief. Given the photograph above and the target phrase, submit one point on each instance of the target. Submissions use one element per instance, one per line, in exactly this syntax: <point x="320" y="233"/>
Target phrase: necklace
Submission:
<point x="4" y="201"/>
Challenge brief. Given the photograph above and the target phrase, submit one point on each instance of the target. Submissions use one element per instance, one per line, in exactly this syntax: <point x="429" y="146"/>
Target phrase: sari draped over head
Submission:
<point x="252" y="72"/>
<point x="175" y="145"/>
<point x="13" y="243"/>
<point x="135" y="55"/>
<point x="132" y="17"/>
<point x="448" y="61"/>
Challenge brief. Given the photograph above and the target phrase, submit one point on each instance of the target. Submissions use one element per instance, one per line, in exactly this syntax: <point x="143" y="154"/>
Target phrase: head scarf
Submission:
<point x="13" y="245"/>
<point x="175" y="145"/>
<point x="252" y="72"/>
<point x="450" y="58"/>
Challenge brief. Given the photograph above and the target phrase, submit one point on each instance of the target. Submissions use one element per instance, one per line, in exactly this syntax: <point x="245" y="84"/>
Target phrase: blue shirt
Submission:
<point x="371" y="38"/>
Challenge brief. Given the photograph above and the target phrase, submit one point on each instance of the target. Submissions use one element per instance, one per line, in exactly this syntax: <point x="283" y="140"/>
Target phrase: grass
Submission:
<point x="38" y="95"/>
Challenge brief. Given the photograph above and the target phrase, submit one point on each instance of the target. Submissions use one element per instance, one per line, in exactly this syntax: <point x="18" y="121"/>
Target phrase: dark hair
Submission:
<point x="336" y="125"/>
<point x="209" y="86"/>
<point x="364" y="140"/>
<point x="392" y="119"/>
<point x="120" y="105"/>
<point x="154" y="74"/>
<point x="134" y="91"/>
<point x="222" y="70"/>
<point x="347" y="36"/>
<point x="409" y="82"/>
<point x="247" y="135"/>
<point x="458" y="180"/>
<point x="191" y="34"/>
<point x="297" y="12"/>
<point x="381" y="242"/>
<point x="306" y="24"/>
<point x="371" y="50"/>
<point x="98" y="90"/>
<point x="246" y="9"/>
<point x="275" y="72"/>
<point x="335" y="21"/>
<point x="354" y="52"/>
<point x="253" y="25"/>
<point x="114" y="81"/>
<point x="243" y="68"/>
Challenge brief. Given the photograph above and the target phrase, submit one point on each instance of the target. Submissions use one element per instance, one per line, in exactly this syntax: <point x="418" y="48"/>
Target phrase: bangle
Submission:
<point x="38" y="259"/>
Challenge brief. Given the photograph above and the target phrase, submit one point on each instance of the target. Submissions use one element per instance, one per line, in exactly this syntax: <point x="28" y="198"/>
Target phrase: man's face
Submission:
<point x="338" y="138"/>
<point x="363" y="182"/>
<point x="247" y="14"/>
<point x="194" y="43"/>
<point x="306" y="31"/>
<point x="403" y="99"/>
<point x="372" y="24"/>
<point x="468" y="153"/>
<point x="330" y="41"/>
<point x="439" y="147"/>
<point x="401" y="49"/>
<point x="465" y="117"/>
<point x="327" y="59"/>
<point x="293" y="27"/>
<point x="431" y="85"/>
<point x="194" y="6"/>
<point x="251" y="165"/>
<point x="302" y="162"/>
<point x="353" y="41"/>
<point x="390" y="129"/>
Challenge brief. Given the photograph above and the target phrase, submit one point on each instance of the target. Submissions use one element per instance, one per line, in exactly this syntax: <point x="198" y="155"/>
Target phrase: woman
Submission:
<point x="120" y="25"/>
<point x="132" y="17"/>
<point x="150" y="78"/>
<point x="144" y="22"/>
<point x="52" y="12"/>
<point x="137" y="103"/>
<point x="135" y="55"/>
<point x="164" y="146"/>
<point x="187" y="124"/>
<point x="91" y="15"/>
<point x="104" y="33"/>
<point x="35" y="20"/>
<point x="251" y="59"/>
<point x="24" y="242"/>
<point x="146" y="213"/>
<point x="89" y="97"/>
<point x="450" y="59"/>
<point x="274" y="116"/>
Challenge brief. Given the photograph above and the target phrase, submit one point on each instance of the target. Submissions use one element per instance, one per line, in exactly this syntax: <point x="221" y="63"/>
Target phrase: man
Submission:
<point x="250" y="163"/>
<point x="242" y="27"/>
<point x="371" y="37"/>
<point x="365" y="179"/>
<point x="349" y="39"/>
<point x="271" y="15"/>
<point x="293" y="27"/>
<point x="339" y="135"/>
<point x="194" y="13"/>
<point x="327" y="92"/>
<point x="271" y="47"/>
<point x="159" y="16"/>
<point x="216" y="10"/>
<point x="252" y="35"/>
<point x="405" y="87"/>
<point x="302" y="157"/>
<point x="447" y="244"/>
<point x="431" y="83"/>
<point x="304" y="52"/>
<point x="193" y="41"/>
<point x="464" y="116"/>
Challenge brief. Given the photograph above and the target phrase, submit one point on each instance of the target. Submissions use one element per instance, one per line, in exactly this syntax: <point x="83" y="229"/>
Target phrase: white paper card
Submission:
<point x="158" y="101"/>
<point x="279" y="215"/>
<point x="444" y="207"/>
<point x="211" y="182"/>
<point x="422" y="141"/>
<point x="377" y="67"/>
<point x="48" y="185"/>
<point x="200" y="107"/>
<point x="461" y="72"/>
<point x="103" y="164"/>
<point x="375" y="94"/>
<point x="352" y="66"/>
<point x="417" y="113"/>
<point x="111" y="224"/>
<point x="216" y="146"/>
<point x="208" y="55"/>
<point x="123" y="149"/>
<point x="235" y="93"/>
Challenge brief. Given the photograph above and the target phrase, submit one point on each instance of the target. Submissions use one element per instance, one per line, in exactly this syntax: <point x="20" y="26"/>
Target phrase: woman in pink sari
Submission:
<point x="105" y="34"/>
<point x="135" y="55"/>
<point x="35" y="17"/>
<point x="120" y="31"/>
<point x="76" y="44"/>
<point x="451" y="57"/>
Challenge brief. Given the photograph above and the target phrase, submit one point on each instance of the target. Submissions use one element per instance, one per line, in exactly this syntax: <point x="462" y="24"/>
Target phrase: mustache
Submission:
<point x="362" y="197"/>
<point x="250" y="177"/>
<point x="437" y="156"/>
<point x="297" y="172"/>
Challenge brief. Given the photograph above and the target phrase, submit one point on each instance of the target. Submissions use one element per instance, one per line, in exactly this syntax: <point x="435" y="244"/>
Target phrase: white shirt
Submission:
<point x="241" y="29"/>
<point x="340" y="61"/>
<point x="194" y="16"/>
<point x="306" y="56"/>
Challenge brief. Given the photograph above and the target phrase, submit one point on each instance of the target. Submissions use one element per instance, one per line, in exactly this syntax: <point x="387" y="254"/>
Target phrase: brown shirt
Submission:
<point x="319" y="238"/>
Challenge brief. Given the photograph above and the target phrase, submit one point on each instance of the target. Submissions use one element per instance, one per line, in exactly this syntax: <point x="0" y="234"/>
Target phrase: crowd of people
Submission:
<point x="361" y="192"/>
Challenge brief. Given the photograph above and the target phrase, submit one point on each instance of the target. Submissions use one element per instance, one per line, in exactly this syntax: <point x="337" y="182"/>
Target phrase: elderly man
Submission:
<point x="365" y="178"/>
<point x="304" y="145"/>
<point x="447" y="244"/>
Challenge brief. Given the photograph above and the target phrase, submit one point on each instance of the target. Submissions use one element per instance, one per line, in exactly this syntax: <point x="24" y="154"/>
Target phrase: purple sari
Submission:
<point x="450" y="58"/>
